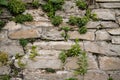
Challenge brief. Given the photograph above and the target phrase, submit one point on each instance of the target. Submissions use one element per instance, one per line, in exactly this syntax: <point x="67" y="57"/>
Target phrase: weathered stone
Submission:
<point x="92" y="64"/>
<point x="92" y="24"/>
<point x="88" y="36"/>
<point x="49" y="53"/>
<point x="110" y="5"/>
<point x="16" y="79"/>
<point x="97" y="47"/>
<point x="11" y="48"/>
<point x="33" y="33"/>
<point x="42" y="62"/>
<point x="52" y="35"/>
<point x="59" y="75"/>
<point x="114" y="50"/>
<point x="117" y="12"/>
<point x="109" y="63"/>
<point x="109" y="24"/>
<point x="118" y="18"/>
<point x="104" y="14"/>
<point x="114" y="31"/>
<point x="4" y="70"/>
<point x="38" y="24"/>
<point x="95" y="75"/>
<point x="3" y="35"/>
<point x="12" y="26"/>
<point x="102" y="35"/>
<point x="116" y="40"/>
<point x="116" y="75"/>
<point x="107" y="0"/>
<point x="61" y="45"/>
<point x="71" y="63"/>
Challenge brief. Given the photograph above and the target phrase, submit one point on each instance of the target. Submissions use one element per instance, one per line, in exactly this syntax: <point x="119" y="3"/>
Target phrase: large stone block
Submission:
<point x="109" y="63"/>
<point x="60" y="45"/>
<point x="92" y="24"/>
<point x="102" y="35"/>
<point x="116" y="39"/>
<point x="109" y="24"/>
<point x="104" y="14"/>
<point x="115" y="32"/>
<point x="95" y="75"/>
<point x="110" y="5"/>
<point x="32" y="33"/>
<point x="88" y="36"/>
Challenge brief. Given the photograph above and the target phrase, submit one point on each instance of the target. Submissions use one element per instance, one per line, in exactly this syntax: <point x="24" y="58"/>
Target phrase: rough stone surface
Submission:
<point x="4" y="70"/>
<point x="109" y="63"/>
<point x="110" y="5"/>
<point x="92" y="24"/>
<point x="11" y="48"/>
<point x="116" y="75"/>
<point x="41" y="62"/>
<point x="109" y="24"/>
<point x="92" y="63"/>
<point x="114" y="31"/>
<point x="38" y="24"/>
<point x="116" y="40"/>
<point x="88" y="36"/>
<point x="12" y="26"/>
<point x="52" y="35"/>
<point x="104" y="14"/>
<point x="95" y="75"/>
<point x="3" y="35"/>
<point x="102" y="35"/>
<point x="24" y="34"/>
<point x="55" y="45"/>
<point x="71" y="63"/>
<point x="118" y="20"/>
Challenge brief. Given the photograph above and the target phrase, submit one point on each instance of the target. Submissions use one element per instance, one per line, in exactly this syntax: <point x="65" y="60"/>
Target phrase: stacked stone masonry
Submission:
<point x="101" y="42"/>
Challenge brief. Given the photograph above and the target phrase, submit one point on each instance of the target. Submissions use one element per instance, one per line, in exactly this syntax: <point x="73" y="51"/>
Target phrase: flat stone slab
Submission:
<point x="95" y="75"/>
<point x="104" y="14"/>
<point x="116" y="39"/>
<point x="32" y="33"/>
<point x="115" y="32"/>
<point x="110" y="5"/>
<point x="109" y="63"/>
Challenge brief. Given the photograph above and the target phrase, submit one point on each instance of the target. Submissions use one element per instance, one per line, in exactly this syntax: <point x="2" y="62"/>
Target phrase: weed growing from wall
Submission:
<point x="71" y="78"/>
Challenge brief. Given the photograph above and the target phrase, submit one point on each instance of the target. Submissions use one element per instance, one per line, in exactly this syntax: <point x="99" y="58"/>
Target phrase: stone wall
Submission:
<point x="101" y="42"/>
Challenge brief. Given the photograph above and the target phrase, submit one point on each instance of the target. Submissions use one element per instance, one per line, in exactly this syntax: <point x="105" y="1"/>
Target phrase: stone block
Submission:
<point x="109" y="63"/>
<point x="102" y="35"/>
<point x="116" y="39"/>
<point x="95" y="75"/>
<point x="104" y="14"/>
<point x="115" y="32"/>
<point x="32" y="33"/>
<point x="110" y="5"/>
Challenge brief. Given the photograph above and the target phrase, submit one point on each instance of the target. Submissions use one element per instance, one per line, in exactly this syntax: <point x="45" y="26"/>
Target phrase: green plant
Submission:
<point x="110" y="78"/>
<point x="47" y="7"/>
<point x="33" y="53"/>
<point x="22" y="18"/>
<point x="18" y="56"/>
<point x="82" y="30"/>
<point x="3" y="58"/>
<point x="63" y="56"/>
<point x="2" y="24"/>
<point x="1" y="11"/>
<point x="50" y="70"/>
<point x="21" y="64"/>
<point x="4" y="2"/>
<point x="65" y="34"/>
<point x="16" y="7"/>
<point x="81" y="4"/>
<point x="35" y="3"/>
<point x="72" y="20"/>
<point x="82" y="21"/>
<point x="5" y="77"/>
<point x="71" y="78"/>
<point x="82" y="62"/>
<point x="23" y="42"/>
<point x="56" y="20"/>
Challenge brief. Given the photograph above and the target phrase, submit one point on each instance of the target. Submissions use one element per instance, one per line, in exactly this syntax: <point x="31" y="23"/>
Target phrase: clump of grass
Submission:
<point x="3" y="58"/>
